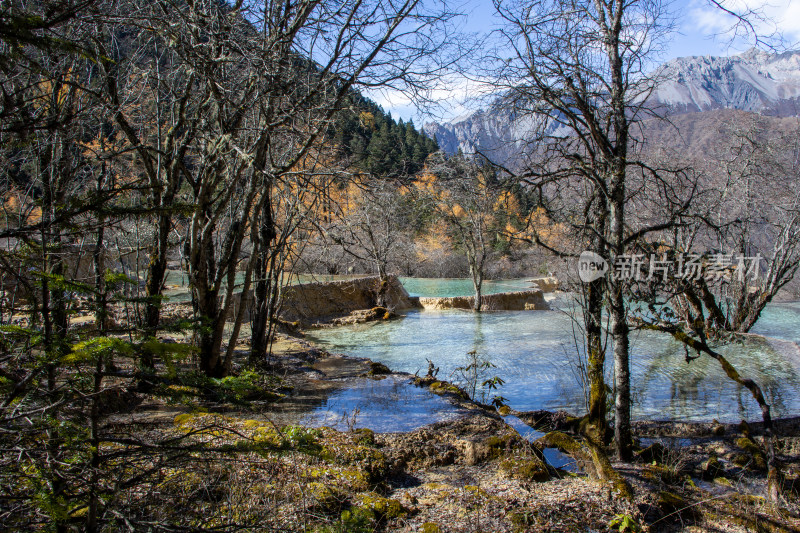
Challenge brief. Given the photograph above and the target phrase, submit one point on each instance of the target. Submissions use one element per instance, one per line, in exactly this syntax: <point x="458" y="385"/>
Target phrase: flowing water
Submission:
<point x="534" y="353"/>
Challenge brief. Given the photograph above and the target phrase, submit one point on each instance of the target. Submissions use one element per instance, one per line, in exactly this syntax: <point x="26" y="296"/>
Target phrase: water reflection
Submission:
<point x="533" y="355"/>
<point x="390" y="404"/>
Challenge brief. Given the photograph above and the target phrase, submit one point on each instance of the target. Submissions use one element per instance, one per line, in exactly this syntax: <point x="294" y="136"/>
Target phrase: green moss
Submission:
<point x="525" y="468"/>
<point x="372" y="462"/>
<point x="711" y="468"/>
<point x="431" y="527"/>
<point x="383" y="508"/>
<point x="376" y="369"/>
<point x="499" y="445"/>
<point x="353" y="478"/>
<point x="661" y="473"/>
<point x="523" y="519"/>
<point x="365" y="436"/>
<point x="655" y="452"/>
<point x="442" y="387"/>
<point x="183" y="419"/>
<point x="565" y="443"/>
<point x="669" y="502"/>
<point x="453" y="389"/>
<point x="253" y="424"/>
<point x="326" y="499"/>
<point x="355" y="520"/>
<point x="756" y="458"/>
<point x="476" y="490"/>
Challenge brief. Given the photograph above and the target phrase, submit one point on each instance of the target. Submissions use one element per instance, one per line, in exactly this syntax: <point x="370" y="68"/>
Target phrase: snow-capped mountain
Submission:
<point x="754" y="81"/>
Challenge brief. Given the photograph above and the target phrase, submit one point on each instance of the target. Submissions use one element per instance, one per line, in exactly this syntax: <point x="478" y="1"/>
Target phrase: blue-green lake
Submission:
<point x="534" y="353"/>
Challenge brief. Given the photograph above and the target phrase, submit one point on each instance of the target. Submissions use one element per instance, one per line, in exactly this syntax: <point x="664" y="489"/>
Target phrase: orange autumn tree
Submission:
<point x="465" y="193"/>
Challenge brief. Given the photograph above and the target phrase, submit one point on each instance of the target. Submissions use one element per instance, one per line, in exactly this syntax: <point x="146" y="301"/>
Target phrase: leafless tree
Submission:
<point x="578" y="68"/>
<point x="752" y="211"/>
<point x="465" y="194"/>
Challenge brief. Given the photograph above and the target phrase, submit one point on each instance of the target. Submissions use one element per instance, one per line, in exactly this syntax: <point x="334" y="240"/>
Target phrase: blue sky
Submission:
<point x="701" y="29"/>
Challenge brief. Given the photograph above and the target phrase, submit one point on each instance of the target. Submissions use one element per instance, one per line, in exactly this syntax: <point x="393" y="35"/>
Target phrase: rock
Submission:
<point x="361" y="316"/>
<point x="377" y="369"/>
<point x="326" y="499"/>
<point x="711" y="468"/>
<point x="756" y="458"/>
<point x="549" y="420"/>
<point x="309" y="302"/>
<point x="546" y="284"/>
<point x="466" y="441"/>
<point x="744" y="427"/>
<point x="529" y="300"/>
<point x="669" y="502"/>
<point x="654" y="452"/>
<point x="364" y="436"/>
<point x="529" y="468"/>
<point x="382" y="508"/>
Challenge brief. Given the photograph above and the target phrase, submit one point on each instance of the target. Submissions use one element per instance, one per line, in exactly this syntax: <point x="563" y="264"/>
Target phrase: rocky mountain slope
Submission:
<point x="755" y="81"/>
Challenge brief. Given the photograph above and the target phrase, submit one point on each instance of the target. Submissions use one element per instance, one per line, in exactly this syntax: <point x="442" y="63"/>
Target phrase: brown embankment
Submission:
<point x="309" y="302"/>
<point x="532" y="299"/>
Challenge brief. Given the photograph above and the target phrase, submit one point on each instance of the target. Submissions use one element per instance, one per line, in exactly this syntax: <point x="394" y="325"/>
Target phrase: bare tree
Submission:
<point x="753" y="211"/>
<point x="464" y="194"/>
<point x="369" y="223"/>
<point x="578" y="68"/>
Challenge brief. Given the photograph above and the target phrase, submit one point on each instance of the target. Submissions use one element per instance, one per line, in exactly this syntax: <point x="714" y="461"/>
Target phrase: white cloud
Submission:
<point x="452" y="96"/>
<point x="766" y="17"/>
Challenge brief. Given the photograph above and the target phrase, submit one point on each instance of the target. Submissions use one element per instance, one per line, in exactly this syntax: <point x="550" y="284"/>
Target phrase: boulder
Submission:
<point x="546" y="284"/>
<point x="310" y="302"/>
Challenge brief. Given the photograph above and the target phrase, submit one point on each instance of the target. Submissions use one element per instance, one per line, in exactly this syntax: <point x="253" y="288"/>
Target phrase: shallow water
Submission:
<point x="460" y="287"/>
<point x="536" y="357"/>
<point x="781" y="320"/>
<point x="375" y="404"/>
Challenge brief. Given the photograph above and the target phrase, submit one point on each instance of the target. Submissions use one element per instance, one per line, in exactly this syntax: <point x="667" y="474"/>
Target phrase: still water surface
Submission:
<point x="535" y="355"/>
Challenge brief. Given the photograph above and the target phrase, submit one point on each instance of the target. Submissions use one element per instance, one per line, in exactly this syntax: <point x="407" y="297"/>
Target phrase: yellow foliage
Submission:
<point x="539" y="224"/>
<point x="458" y="211"/>
<point x="433" y="243"/>
<point x="508" y="203"/>
<point x="426" y="182"/>
<point x="367" y="119"/>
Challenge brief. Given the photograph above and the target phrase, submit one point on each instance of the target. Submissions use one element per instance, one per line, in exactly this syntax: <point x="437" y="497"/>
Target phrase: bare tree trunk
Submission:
<point x="477" y="283"/>
<point x="620" y="330"/>
<point x="622" y="377"/>
<point x="593" y="323"/>
<point x="262" y="314"/>
<point x="156" y="275"/>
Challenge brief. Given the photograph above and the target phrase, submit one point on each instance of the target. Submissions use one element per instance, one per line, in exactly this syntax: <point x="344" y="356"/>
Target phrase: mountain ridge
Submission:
<point x="754" y="81"/>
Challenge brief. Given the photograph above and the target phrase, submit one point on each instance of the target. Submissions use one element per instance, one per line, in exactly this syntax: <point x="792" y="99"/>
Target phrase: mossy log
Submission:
<point x="591" y="458"/>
